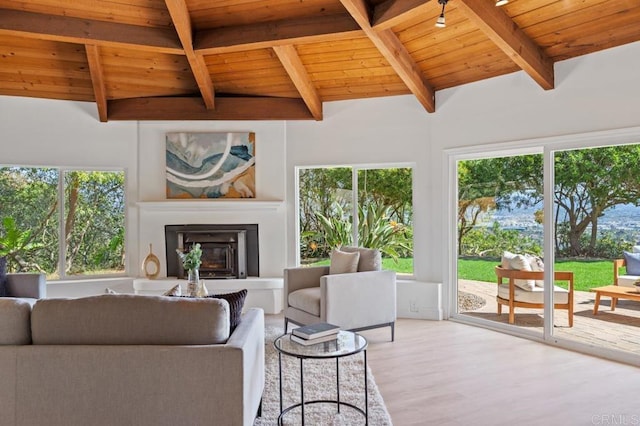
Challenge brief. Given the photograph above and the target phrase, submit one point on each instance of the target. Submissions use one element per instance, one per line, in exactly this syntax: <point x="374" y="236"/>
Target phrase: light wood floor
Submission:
<point x="446" y="373"/>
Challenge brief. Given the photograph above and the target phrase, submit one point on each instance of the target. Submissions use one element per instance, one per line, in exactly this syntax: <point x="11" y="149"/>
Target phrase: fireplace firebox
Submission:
<point x="228" y="251"/>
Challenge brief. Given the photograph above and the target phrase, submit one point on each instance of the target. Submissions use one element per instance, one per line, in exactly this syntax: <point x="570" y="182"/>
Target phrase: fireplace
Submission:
<point x="228" y="251"/>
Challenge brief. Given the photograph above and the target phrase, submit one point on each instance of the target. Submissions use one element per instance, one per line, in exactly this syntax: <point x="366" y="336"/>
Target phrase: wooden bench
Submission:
<point x="512" y="301"/>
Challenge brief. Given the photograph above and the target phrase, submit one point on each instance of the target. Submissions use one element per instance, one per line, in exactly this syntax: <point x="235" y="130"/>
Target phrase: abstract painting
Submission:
<point x="211" y="165"/>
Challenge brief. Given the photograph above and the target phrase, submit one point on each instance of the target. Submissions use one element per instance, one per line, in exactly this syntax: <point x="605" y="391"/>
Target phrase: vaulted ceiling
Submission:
<point x="281" y="59"/>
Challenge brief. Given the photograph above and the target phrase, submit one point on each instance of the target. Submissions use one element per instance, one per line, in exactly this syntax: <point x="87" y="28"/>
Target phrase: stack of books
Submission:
<point x="315" y="333"/>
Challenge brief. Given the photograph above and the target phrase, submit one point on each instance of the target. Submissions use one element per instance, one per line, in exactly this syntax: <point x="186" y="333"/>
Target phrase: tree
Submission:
<point x="93" y="219"/>
<point x="588" y="182"/>
<point x="488" y="184"/>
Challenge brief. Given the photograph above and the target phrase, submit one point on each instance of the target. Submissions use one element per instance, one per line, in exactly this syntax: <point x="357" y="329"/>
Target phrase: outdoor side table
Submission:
<point x="347" y="344"/>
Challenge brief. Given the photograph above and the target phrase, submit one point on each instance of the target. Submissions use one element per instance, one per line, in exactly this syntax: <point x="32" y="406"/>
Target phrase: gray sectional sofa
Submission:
<point x="129" y="360"/>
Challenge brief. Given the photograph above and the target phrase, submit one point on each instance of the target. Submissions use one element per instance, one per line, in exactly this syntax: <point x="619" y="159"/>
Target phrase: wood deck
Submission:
<point x="619" y="329"/>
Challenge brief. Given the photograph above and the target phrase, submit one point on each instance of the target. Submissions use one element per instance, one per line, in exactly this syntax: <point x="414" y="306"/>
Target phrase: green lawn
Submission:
<point x="404" y="266"/>
<point x="587" y="273"/>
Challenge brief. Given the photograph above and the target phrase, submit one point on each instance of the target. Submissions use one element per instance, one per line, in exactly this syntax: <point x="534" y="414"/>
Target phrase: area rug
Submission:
<point x="319" y="383"/>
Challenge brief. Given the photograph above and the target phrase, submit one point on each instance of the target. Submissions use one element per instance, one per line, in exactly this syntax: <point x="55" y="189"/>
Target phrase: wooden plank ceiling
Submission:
<point x="281" y="59"/>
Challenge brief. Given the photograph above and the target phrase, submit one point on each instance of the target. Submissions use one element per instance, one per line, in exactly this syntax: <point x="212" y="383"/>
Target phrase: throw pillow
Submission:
<point x="633" y="263"/>
<point x="520" y="263"/>
<point x="173" y="291"/>
<point x="3" y="277"/>
<point x="370" y="259"/>
<point x="343" y="262"/>
<point x="536" y="266"/>
<point x="236" y="303"/>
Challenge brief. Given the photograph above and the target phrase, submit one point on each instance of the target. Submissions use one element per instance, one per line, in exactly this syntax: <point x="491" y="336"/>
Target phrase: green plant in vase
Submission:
<point x="191" y="263"/>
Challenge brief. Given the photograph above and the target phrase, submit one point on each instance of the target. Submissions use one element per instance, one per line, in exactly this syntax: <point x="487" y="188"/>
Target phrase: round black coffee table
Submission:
<point x="347" y="344"/>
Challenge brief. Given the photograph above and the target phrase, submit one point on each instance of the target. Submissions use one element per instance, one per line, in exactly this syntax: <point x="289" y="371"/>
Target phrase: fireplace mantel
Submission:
<point x="242" y="204"/>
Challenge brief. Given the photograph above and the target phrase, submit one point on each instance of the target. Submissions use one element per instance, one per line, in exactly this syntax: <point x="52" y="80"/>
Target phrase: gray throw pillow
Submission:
<point x="343" y="262"/>
<point x="633" y="263"/>
<point x="370" y="259"/>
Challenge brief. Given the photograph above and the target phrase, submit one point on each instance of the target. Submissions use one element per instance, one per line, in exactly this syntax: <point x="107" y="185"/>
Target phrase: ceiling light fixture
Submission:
<point x="501" y="2"/>
<point x="440" y="23"/>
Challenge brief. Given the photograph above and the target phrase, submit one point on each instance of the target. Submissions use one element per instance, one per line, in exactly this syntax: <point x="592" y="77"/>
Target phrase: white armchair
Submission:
<point x="354" y="301"/>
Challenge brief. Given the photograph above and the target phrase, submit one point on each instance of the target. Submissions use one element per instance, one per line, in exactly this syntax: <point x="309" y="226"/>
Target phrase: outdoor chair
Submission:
<point x="353" y="301"/>
<point x="516" y="297"/>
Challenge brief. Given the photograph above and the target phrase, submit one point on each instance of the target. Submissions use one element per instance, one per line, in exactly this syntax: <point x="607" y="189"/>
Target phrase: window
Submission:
<point x="379" y="214"/>
<point x="61" y="222"/>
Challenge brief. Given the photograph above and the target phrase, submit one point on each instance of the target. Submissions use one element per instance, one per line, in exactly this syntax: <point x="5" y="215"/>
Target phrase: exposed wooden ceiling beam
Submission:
<point x="87" y="31"/>
<point x="501" y="29"/>
<point x="297" y="72"/>
<point x="394" y="12"/>
<point x="232" y="108"/>
<point x="395" y="53"/>
<point x="97" y="78"/>
<point x="182" y="22"/>
<point x="269" y="34"/>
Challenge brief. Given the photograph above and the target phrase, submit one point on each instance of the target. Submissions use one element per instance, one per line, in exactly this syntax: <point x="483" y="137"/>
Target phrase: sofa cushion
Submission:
<point x="15" y="321"/>
<point x="628" y="280"/>
<point x="370" y="259"/>
<point x="124" y="319"/>
<point x="560" y="295"/>
<point x="307" y="300"/>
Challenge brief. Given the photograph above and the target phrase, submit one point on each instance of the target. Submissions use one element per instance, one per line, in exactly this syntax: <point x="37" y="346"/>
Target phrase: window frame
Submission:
<point x="62" y="246"/>
<point x="355" y="168"/>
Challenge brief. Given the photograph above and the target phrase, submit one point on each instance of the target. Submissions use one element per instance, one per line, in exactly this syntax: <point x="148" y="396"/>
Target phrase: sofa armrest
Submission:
<point x="248" y="338"/>
<point x="359" y="299"/>
<point x="27" y="285"/>
<point x="302" y="277"/>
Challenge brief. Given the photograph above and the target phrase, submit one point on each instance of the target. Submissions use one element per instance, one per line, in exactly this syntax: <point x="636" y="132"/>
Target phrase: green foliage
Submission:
<point x="401" y="266"/>
<point x="609" y="245"/>
<point x="588" y="182"/>
<point x="191" y="260"/>
<point x="93" y="218"/>
<point x="494" y="241"/>
<point x="488" y="184"/>
<point x="336" y="229"/>
<point x="376" y="230"/>
<point x="325" y="205"/>
<point x="15" y="243"/>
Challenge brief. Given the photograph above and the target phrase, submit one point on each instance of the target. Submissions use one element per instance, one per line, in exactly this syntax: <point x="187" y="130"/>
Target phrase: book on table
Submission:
<point x="308" y="342"/>
<point x="313" y="331"/>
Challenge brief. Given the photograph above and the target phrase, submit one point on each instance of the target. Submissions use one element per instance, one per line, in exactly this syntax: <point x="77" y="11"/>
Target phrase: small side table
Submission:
<point x="347" y="344"/>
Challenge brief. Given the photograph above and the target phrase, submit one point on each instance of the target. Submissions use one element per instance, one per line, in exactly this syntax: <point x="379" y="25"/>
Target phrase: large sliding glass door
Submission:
<point x="499" y="227"/>
<point x="572" y="204"/>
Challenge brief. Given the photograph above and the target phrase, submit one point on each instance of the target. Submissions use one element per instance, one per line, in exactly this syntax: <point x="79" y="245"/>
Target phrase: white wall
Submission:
<point x="270" y="180"/>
